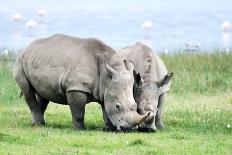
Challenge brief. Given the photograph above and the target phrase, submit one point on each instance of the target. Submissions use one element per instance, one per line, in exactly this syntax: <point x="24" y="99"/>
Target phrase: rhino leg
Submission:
<point x="29" y="95"/>
<point x="108" y="125"/>
<point x="158" y="122"/>
<point x="77" y="101"/>
<point x="42" y="102"/>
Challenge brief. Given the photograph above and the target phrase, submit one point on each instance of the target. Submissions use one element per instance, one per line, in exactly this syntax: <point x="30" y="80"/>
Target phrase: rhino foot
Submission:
<point x="147" y="128"/>
<point x="109" y="127"/>
<point x="38" y="123"/>
<point x="37" y="119"/>
<point x="79" y="126"/>
<point x="106" y="128"/>
<point x="159" y="125"/>
<point x="79" y="129"/>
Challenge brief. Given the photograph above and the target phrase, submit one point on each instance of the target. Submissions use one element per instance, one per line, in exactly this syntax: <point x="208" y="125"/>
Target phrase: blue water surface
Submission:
<point x="117" y="23"/>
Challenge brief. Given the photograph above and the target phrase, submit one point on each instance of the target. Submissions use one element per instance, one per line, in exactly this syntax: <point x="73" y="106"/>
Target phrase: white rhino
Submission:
<point x="152" y="82"/>
<point x="75" y="71"/>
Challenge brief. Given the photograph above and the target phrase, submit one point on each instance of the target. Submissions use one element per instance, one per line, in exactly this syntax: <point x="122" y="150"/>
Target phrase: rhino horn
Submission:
<point x="140" y="119"/>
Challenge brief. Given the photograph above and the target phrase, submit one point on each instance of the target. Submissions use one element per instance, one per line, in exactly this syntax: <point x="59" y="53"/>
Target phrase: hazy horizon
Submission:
<point x="175" y="22"/>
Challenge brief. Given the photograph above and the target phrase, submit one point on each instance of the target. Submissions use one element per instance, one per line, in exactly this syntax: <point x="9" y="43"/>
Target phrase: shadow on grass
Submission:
<point x="66" y="126"/>
<point x="88" y="127"/>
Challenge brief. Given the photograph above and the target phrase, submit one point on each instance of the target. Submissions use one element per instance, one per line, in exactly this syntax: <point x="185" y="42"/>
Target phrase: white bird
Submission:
<point x="228" y="126"/>
<point x="226" y="26"/>
<point x="17" y="17"/>
<point x="31" y="24"/>
<point x="41" y="13"/>
<point x="147" y="25"/>
<point x="5" y="52"/>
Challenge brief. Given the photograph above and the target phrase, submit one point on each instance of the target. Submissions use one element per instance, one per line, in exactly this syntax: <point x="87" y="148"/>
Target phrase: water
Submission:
<point x="177" y="24"/>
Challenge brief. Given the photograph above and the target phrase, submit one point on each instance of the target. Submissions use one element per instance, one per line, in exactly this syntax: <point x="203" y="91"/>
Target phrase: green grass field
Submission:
<point x="197" y="115"/>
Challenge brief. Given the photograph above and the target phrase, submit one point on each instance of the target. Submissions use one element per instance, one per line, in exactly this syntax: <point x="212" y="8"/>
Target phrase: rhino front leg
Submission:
<point x="158" y="122"/>
<point x="77" y="101"/>
<point x="108" y="125"/>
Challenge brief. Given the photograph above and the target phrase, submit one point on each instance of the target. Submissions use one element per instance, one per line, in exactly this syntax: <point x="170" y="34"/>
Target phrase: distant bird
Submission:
<point x="166" y="51"/>
<point x="17" y="17"/>
<point x="226" y="36"/>
<point x="5" y="52"/>
<point x="226" y="26"/>
<point x="31" y="24"/>
<point x="192" y="47"/>
<point x="147" y="25"/>
<point x="41" y="13"/>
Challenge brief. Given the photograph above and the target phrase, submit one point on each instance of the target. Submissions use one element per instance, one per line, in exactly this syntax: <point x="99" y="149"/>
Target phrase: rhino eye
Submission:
<point x="118" y="107"/>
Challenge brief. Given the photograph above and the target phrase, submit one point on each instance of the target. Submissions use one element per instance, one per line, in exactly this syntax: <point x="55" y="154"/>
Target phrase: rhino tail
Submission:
<point x="21" y="94"/>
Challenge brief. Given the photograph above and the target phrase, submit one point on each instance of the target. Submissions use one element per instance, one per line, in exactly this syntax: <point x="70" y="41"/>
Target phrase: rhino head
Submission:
<point x="119" y="101"/>
<point x="147" y="95"/>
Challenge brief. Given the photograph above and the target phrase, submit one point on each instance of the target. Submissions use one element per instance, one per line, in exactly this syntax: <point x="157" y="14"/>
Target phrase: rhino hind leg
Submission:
<point x="158" y="122"/>
<point x="77" y="101"/>
<point x="43" y="103"/>
<point x="30" y="98"/>
<point x="37" y="116"/>
<point x="29" y="95"/>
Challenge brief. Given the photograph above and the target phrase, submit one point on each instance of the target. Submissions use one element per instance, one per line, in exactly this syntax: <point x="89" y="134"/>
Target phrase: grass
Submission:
<point x="200" y="72"/>
<point x="196" y="114"/>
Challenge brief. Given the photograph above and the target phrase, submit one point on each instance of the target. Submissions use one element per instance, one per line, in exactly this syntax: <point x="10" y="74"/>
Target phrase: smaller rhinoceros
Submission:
<point x="152" y="82"/>
<point x="75" y="71"/>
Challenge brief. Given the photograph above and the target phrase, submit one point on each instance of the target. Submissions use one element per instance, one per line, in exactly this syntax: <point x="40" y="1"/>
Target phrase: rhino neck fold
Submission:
<point x="103" y="78"/>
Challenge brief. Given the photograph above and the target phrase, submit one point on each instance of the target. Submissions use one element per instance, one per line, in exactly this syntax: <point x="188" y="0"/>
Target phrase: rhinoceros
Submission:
<point x="75" y="71"/>
<point x="152" y="82"/>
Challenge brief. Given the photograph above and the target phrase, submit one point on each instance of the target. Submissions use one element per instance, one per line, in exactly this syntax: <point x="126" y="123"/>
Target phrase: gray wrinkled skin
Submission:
<point x="74" y="71"/>
<point x="152" y="83"/>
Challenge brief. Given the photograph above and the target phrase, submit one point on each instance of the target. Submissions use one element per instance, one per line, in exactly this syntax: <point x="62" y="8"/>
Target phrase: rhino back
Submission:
<point x="62" y="63"/>
<point x="146" y="62"/>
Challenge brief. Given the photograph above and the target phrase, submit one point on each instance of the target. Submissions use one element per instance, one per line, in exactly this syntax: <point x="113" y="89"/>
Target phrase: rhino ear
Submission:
<point x="129" y="65"/>
<point x="137" y="77"/>
<point x="166" y="80"/>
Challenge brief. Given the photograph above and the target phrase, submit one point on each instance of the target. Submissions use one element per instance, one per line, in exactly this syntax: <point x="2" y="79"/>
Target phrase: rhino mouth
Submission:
<point x="132" y="125"/>
<point x="147" y="128"/>
<point x="128" y="129"/>
<point x="148" y="125"/>
<point x="124" y="126"/>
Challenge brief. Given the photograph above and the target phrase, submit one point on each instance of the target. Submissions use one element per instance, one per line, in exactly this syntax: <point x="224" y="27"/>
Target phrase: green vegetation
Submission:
<point x="200" y="73"/>
<point x="197" y="115"/>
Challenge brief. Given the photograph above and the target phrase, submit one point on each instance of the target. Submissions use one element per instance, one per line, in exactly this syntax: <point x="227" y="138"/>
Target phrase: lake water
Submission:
<point x="176" y="23"/>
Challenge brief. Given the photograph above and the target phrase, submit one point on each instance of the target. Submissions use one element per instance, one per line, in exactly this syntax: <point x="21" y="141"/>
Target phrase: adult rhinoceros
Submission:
<point x="152" y="82"/>
<point x="75" y="71"/>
